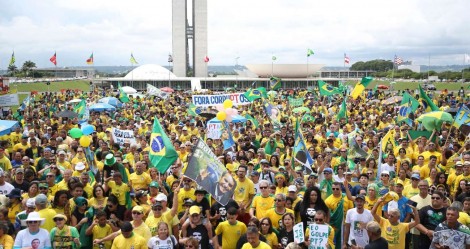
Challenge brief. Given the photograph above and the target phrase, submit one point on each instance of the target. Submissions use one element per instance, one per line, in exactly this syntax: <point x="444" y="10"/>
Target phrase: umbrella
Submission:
<point x="374" y="101"/>
<point x="7" y="126"/>
<point x="236" y="119"/>
<point x="392" y="100"/>
<point x="67" y="114"/>
<point x="99" y="107"/>
<point x="111" y="101"/>
<point x="434" y="120"/>
<point x="301" y="109"/>
<point x="74" y="101"/>
<point x="167" y="89"/>
<point x="384" y="87"/>
<point x="128" y="89"/>
<point x="209" y="114"/>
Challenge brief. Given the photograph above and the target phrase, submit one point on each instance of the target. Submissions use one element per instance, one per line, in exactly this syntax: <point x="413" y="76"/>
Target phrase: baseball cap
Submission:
<point x="194" y="210"/>
<point x="415" y="176"/>
<point x="385" y="172"/>
<point x="363" y="197"/>
<point x="41" y="199"/>
<point x="399" y="182"/>
<point x="62" y="152"/>
<point x="140" y="193"/>
<point x="161" y="197"/>
<point x="154" y="184"/>
<point x="158" y="204"/>
<point x="31" y="202"/>
<point x="19" y="170"/>
<point x="329" y="170"/>
<point x="459" y="163"/>
<point x="292" y="188"/>
<point x="299" y="181"/>
<point x="188" y="202"/>
<point x="254" y="173"/>
<point x="264" y="161"/>
<point x="138" y="209"/>
<point x="466" y="163"/>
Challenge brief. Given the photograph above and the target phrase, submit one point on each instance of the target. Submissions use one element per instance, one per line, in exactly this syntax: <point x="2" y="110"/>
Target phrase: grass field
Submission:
<point x="53" y="87"/>
<point x="451" y="86"/>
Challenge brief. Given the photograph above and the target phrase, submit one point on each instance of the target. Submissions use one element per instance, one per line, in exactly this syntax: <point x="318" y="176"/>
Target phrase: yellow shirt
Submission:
<point x="7" y="241"/>
<point x="243" y="191"/>
<point x="101" y="232"/>
<point x="48" y="214"/>
<point x="262" y="205"/>
<point x="275" y="217"/>
<point x="135" y="241"/>
<point x="464" y="218"/>
<point x="230" y="233"/>
<point x="395" y="235"/>
<point x="409" y="191"/>
<point x="332" y="203"/>
<point x="261" y="245"/>
<point x="460" y="178"/>
<point x="141" y="181"/>
<point x="152" y="222"/>
<point x="20" y="146"/>
<point x="64" y="164"/>
<point x="271" y="239"/>
<point x="13" y="211"/>
<point x="143" y="230"/>
<point x="5" y="163"/>
<point x="119" y="191"/>
<point x="184" y="194"/>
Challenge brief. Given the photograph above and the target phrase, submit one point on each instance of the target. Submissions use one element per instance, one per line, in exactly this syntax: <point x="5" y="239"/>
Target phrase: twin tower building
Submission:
<point x="189" y="37"/>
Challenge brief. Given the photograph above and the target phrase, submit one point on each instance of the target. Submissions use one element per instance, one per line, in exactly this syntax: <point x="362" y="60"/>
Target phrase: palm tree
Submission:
<point x="28" y="66"/>
<point x="12" y="69"/>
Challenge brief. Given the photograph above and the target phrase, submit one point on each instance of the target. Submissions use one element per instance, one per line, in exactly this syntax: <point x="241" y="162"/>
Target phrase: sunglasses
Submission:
<point x="369" y="173"/>
<point x="335" y="188"/>
<point x="385" y="175"/>
<point x="263" y="187"/>
<point x="436" y="198"/>
<point x="157" y="208"/>
<point x="32" y="222"/>
<point x="264" y="224"/>
<point x="137" y="213"/>
<point x="327" y="173"/>
<point x="58" y="219"/>
<point x="279" y="200"/>
<point x="318" y="220"/>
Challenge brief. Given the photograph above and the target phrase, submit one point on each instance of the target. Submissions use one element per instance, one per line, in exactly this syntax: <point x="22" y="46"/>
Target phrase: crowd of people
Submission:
<point x="412" y="192"/>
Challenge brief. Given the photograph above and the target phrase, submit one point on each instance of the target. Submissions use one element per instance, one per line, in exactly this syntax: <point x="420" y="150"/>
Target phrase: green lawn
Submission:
<point x="83" y="85"/>
<point x="451" y="86"/>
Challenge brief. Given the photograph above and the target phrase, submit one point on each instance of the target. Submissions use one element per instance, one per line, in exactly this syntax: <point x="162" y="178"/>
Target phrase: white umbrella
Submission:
<point x="128" y="89"/>
<point x="135" y="95"/>
<point x="74" y="101"/>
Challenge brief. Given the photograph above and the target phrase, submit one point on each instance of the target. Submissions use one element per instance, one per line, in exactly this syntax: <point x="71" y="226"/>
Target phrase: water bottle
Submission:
<point x="101" y="245"/>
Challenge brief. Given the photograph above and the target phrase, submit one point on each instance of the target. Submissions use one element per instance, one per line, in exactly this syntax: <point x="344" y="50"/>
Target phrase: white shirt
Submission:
<point x="25" y="239"/>
<point x="6" y="188"/>
<point x="357" y="223"/>
<point x="156" y="243"/>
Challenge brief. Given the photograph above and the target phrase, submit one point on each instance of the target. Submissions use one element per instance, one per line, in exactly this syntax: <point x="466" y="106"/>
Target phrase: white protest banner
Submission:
<point x="214" y="130"/>
<point x="123" y="136"/>
<point x="213" y="100"/>
<point x="299" y="236"/>
<point x="153" y="91"/>
<point x="318" y="236"/>
<point x="9" y="100"/>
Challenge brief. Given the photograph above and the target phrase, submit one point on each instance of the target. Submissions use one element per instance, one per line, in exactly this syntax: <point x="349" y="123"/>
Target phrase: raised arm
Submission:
<point x="374" y="209"/>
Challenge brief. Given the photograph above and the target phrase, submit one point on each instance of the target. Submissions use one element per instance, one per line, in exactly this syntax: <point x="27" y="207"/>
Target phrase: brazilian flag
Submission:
<point x="80" y="108"/>
<point x="361" y="86"/>
<point x="328" y="90"/>
<point x="193" y="110"/>
<point x="426" y="102"/>
<point x="162" y="153"/>
<point x="252" y="119"/>
<point x="256" y="93"/>
<point x="275" y="83"/>
<point x="122" y="95"/>
<point x="343" y="111"/>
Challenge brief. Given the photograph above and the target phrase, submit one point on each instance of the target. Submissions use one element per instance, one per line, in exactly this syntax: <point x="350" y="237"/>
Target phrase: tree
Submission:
<point x="373" y="65"/>
<point x="28" y="66"/>
<point x="12" y="69"/>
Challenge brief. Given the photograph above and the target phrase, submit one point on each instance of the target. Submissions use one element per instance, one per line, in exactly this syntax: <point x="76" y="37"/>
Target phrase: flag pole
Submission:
<point x="307" y="69"/>
<point x="463" y="69"/>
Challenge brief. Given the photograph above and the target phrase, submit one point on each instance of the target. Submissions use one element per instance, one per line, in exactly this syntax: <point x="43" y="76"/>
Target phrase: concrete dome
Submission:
<point x="150" y="72"/>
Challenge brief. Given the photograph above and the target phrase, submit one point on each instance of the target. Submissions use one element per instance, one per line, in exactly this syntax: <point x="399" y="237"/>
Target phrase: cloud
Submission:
<point x="251" y="30"/>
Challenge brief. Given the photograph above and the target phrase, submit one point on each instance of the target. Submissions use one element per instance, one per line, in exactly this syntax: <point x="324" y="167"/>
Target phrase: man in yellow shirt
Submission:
<point x="231" y="229"/>
<point x="140" y="179"/>
<point x="338" y="205"/>
<point x="252" y="235"/>
<point x="275" y="214"/>
<point x="128" y="239"/>
<point x="118" y="187"/>
<point x="245" y="190"/>
<point x="159" y="215"/>
<point x="262" y="202"/>
<point x="5" y="163"/>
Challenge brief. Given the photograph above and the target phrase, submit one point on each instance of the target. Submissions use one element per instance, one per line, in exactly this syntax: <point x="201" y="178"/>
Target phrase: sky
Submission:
<point x="250" y="30"/>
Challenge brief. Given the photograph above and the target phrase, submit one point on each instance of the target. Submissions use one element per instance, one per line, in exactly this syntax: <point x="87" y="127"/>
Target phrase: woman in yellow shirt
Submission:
<point x="281" y="185"/>
<point x="98" y="201"/>
<point x="266" y="229"/>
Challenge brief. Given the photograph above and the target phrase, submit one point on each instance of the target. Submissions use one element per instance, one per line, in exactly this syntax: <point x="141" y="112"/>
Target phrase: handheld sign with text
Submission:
<point x="318" y="236"/>
<point x="299" y="236"/>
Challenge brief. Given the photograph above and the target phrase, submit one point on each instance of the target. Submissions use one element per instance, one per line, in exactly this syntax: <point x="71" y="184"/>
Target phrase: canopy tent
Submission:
<point x="111" y="101"/>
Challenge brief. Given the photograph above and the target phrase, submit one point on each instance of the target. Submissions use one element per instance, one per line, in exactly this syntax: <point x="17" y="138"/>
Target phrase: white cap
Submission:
<point x="31" y="202"/>
<point x="385" y="172"/>
<point x="79" y="166"/>
<point x="161" y="197"/>
<point x="292" y="188"/>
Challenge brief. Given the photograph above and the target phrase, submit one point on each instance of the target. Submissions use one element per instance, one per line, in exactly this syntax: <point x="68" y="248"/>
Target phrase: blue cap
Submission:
<point x="416" y="176"/>
<point x="330" y="170"/>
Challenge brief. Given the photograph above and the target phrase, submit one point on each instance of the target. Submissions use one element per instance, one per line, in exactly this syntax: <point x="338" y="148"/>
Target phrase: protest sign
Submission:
<point x="318" y="236"/>
<point x="9" y="100"/>
<point x="211" y="175"/>
<point x="123" y="136"/>
<point x="299" y="236"/>
<point x="214" y="130"/>
<point x="213" y="100"/>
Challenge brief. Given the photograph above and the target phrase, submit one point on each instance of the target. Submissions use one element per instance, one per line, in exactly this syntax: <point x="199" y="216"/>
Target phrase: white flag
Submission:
<point x="153" y="91"/>
<point x="467" y="58"/>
